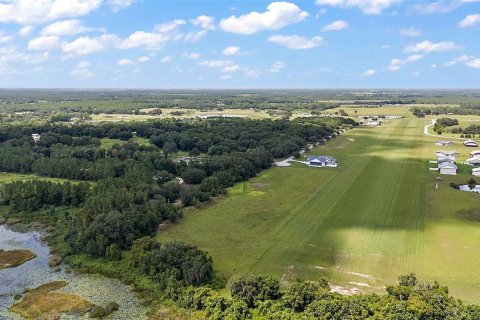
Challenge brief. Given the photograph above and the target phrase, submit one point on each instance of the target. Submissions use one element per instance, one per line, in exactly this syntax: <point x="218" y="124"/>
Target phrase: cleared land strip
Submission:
<point x="364" y="220"/>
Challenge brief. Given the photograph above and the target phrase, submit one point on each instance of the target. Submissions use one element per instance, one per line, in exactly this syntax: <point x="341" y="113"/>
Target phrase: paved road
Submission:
<point x="425" y="131"/>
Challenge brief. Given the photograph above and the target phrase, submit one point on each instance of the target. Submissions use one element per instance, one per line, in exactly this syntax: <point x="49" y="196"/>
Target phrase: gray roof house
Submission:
<point x="321" y="161"/>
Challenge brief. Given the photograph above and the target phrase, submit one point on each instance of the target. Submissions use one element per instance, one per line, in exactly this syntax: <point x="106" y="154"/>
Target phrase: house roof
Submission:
<point x="443" y="160"/>
<point x="445" y="165"/>
<point x="320" y="158"/>
<point x="473" y="160"/>
<point x="476" y="169"/>
<point x="471" y="142"/>
<point x="444" y="141"/>
<point x="475" y="152"/>
<point x="448" y="153"/>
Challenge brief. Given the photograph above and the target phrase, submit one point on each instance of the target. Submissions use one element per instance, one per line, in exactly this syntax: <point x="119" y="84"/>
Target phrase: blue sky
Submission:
<point x="240" y="44"/>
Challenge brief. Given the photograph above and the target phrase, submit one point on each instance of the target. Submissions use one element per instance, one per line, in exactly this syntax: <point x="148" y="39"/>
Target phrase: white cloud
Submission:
<point x="470" y="21"/>
<point x="428" y="46"/>
<point x="191" y="55"/>
<point x="26" y="31"/>
<point x="296" y="42"/>
<point x="395" y="64"/>
<point x="433" y="66"/>
<point x="277" y="16"/>
<point x="87" y="45"/>
<point x="124" y="62"/>
<point x="441" y="6"/>
<point x="205" y="22"/>
<point x="44" y="43"/>
<point x="277" y="66"/>
<point x="369" y="73"/>
<point x="143" y="39"/>
<point x="65" y="28"/>
<point x="166" y="59"/>
<point x="450" y="63"/>
<point x="226" y="76"/>
<point x="194" y="36"/>
<point x="36" y="11"/>
<point x="82" y="70"/>
<point x="120" y="4"/>
<point x="4" y="38"/>
<point x="410" y="32"/>
<point x="224" y="65"/>
<point x="231" y="51"/>
<point x="367" y="6"/>
<point x="462" y="58"/>
<point x="170" y="26"/>
<point x="385" y="46"/>
<point x="336" y="25"/>
<point x="143" y="59"/>
<point x="252" y="74"/>
<point x="475" y="63"/>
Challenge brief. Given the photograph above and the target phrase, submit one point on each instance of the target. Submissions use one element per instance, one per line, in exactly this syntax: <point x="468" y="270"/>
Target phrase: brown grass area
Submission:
<point x="43" y="302"/>
<point x="14" y="258"/>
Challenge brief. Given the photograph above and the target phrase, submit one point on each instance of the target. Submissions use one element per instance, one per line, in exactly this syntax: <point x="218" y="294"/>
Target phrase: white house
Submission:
<point x="444" y="143"/>
<point x="467" y="188"/>
<point x="35" y="137"/>
<point x="447" y="168"/>
<point x="476" y="172"/>
<point x="475" y="154"/>
<point x="470" y="143"/>
<point x="473" y="161"/>
<point x="321" y="161"/>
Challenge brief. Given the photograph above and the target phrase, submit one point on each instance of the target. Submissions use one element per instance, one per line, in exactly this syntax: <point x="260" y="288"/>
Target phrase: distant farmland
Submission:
<point x="360" y="225"/>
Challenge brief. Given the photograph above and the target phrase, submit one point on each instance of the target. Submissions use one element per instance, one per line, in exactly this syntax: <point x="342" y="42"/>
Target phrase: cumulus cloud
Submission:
<point x="296" y="42"/>
<point x="231" y="51"/>
<point x="143" y="39"/>
<point x="82" y="70"/>
<point x="336" y="25"/>
<point x="410" y="32"/>
<point x="34" y="11"/>
<point x="44" y="43"/>
<point x="124" y="62"/>
<point x="205" y="22"/>
<point x="194" y="36"/>
<point x="166" y="59"/>
<point x="224" y="65"/>
<point x="277" y="16"/>
<point x="26" y="31"/>
<point x="65" y="28"/>
<point x="367" y="6"/>
<point x="428" y="46"/>
<point x="369" y="73"/>
<point x="277" y="66"/>
<point x="143" y="59"/>
<point x="4" y="38"/>
<point x="117" y="5"/>
<point x="474" y="63"/>
<point x="395" y="64"/>
<point x="469" y="21"/>
<point x="191" y="55"/>
<point x="87" y="45"/>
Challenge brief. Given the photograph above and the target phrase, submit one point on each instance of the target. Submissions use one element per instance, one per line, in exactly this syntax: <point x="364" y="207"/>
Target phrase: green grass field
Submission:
<point x="360" y="225"/>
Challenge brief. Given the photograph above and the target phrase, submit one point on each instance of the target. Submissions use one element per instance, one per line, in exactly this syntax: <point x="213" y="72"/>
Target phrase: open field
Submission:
<point x="183" y="113"/>
<point x="360" y="225"/>
<point x="11" y="177"/>
<point x="108" y="143"/>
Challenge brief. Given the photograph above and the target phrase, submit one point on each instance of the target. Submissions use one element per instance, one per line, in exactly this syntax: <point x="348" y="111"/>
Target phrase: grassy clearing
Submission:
<point x="185" y="113"/>
<point x="107" y="143"/>
<point x="14" y="258"/>
<point x="45" y="302"/>
<point x="11" y="177"/>
<point x="362" y="224"/>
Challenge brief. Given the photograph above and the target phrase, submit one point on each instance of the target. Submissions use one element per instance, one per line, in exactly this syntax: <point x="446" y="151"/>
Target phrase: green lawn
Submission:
<point x="362" y="224"/>
<point x="11" y="177"/>
<point x="108" y="143"/>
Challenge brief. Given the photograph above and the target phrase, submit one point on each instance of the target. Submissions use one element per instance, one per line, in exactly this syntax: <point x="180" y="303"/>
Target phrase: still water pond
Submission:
<point x="97" y="289"/>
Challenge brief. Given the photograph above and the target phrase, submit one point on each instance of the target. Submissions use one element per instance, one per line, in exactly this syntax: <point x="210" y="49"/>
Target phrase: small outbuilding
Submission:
<point x="473" y="162"/>
<point x="475" y="154"/>
<point x="444" y="143"/>
<point x="470" y="143"/>
<point x="321" y="161"/>
<point x="476" y="172"/>
<point x="35" y="137"/>
<point x="447" y="168"/>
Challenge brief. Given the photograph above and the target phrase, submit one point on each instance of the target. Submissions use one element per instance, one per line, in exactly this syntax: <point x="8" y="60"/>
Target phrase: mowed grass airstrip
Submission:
<point x="360" y="225"/>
